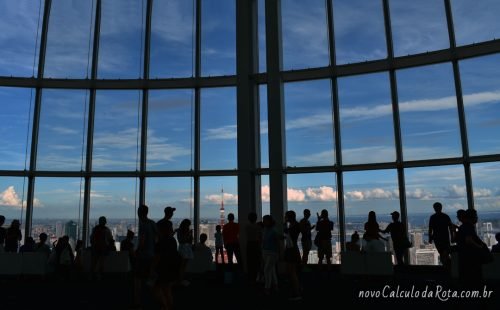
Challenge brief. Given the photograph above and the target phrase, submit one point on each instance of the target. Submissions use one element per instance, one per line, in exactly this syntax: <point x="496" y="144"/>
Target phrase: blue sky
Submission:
<point x="427" y="104"/>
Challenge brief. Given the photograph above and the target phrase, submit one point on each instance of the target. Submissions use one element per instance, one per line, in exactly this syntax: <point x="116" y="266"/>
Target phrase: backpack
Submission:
<point x="99" y="241"/>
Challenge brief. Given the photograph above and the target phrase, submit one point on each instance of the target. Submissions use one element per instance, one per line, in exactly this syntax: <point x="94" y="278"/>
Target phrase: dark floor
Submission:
<point x="325" y="289"/>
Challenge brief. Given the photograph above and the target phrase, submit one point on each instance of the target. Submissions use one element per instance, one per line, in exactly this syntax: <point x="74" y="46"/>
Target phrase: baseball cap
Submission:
<point x="395" y="213"/>
<point x="169" y="209"/>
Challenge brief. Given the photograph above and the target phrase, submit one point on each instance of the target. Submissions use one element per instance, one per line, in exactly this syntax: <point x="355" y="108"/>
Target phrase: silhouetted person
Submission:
<point x="145" y="250"/>
<point x="305" y="238"/>
<point x="165" y="226"/>
<point x="496" y="248"/>
<point x="28" y="246"/>
<point x="292" y="253"/>
<point x="460" y="217"/>
<point x="42" y="246"/>
<point x="353" y="245"/>
<point x="3" y="232"/>
<point x="185" y="238"/>
<point x="203" y="258"/>
<point x="253" y="246"/>
<point x="440" y="230"/>
<point x="270" y="251"/>
<point x="324" y="229"/>
<point x="65" y="257"/>
<point x="127" y="245"/>
<point x="469" y="247"/>
<point x="398" y="237"/>
<point x="219" y="244"/>
<point x="372" y="235"/>
<point x="13" y="236"/>
<point x="231" y="236"/>
<point x="78" y="262"/>
<point x="100" y="241"/>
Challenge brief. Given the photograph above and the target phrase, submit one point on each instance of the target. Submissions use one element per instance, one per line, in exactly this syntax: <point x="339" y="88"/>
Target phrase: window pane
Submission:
<point x="122" y="39"/>
<point x="174" y="192"/>
<point x="70" y="39"/>
<point x="316" y="192"/>
<point x="359" y="31"/>
<point x="486" y="184"/>
<point x="481" y="94"/>
<point x="265" y="192"/>
<point x="218" y="37"/>
<point x="172" y="31"/>
<point x="262" y="35"/>
<point x="170" y="130"/>
<point x="475" y="21"/>
<point x="264" y="137"/>
<point x="428" y="112"/>
<point x="366" y="191"/>
<point x="218" y="128"/>
<point x="117" y="199"/>
<point x="19" y="45"/>
<point x="58" y="208"/>
<point x="13" y="196"/>
<point x="117" y="131"/>
<point x="309" y="123"/>
<point x="15" y="127"/>
<point x="62" y="138"/>
<point x="418" y="26"/>
<point x="366" y="119"/>
<point x="305" y="36"/>
<point x="424" y="186"/>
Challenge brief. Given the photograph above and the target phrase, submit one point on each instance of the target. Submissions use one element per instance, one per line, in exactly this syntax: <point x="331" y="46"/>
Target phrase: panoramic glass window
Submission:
<point x="121" y="43"/>
<point x="262" y="35"/>
<point x="485" y="183"/>
<point x="170" y="130"/>
<point x="58" y="208"/>
<point x="418" y="26"/>
<point x="117" y="130"/>
<point x="174" y="192"/>
<point x="218" y="37"/>
<point x="305" y="34"/>
<point x="366" y="119"/>
<point x="117" y="199"/>
<point x="428" y="112"/>
<point x="424" y="187"/>
<point x="215" y="193"/>
<point x="481" y="95"/>
<point x="15" y="127"/>
<point x="62" y="138"/>
<point x="20" y="45"/>
<point x="265" y="193"/>
<point x="13" y="196"/>
<point x="70" y="39"/>
<point x="264" y="137"/>
<point x="359" y="31"/>
<point x="218" y="128"/>
<point x="172" y="39"/>
<point x="309" y="123"/>
<point x="475" y="21"/>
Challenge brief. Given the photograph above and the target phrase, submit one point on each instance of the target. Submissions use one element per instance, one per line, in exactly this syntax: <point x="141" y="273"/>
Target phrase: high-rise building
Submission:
<point x="71" y="230"/>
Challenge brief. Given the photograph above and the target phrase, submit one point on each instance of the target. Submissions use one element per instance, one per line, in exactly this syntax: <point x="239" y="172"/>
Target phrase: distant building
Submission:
<point x="426" y="257"/>
<point x="71" y="230"/>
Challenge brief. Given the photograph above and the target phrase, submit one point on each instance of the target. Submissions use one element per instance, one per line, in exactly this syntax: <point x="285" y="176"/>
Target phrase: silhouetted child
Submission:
<point x="13" y="236"/>
<point x="496" y="247"/>
<point x="203" y="258"/>
<point x="185" y="238"/>
<point x="219" y="244"/>
<point x="128" y="246"/>
<point x="42" y="246"/>
<point x="353" y="245"/>
<point x="28" y="246"/>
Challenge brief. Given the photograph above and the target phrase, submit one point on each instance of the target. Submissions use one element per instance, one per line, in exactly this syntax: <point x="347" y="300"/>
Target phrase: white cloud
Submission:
<point x="322" y="193"/>
<point x="418" y="193"/>
<point x="228" y="198"/>
<point x="221" y="133"/>
<point x="456" y="191"/>
<point x="295" y="195"/>
<point x="265" y="193"/>
<point x="65" y="130"/>
<point x="482" y="193"/>
<point x="376" y="193"/>
<point x="10" y="198"/>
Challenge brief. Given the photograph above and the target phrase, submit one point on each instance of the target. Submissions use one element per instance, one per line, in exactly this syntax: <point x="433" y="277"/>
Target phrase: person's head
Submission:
<point x="43" y="237"/>
<point x="184" y="225"/>
<point x="130" y="234"/>
<point x="218" y="228"/>
<point x="497" y="236"/>
<point x="230" y="217"/>
<point x="2" y="220"/>
<point x="290" y="216"/>
<point x="169" y="212"/>
<point x="142" y="212"/>
<point x="30" y="240"/>
<point x="102" y="221"/>
<point x="267" y="220"/>
<point x="307" y="213"/>
<point x="395" y="216"/>
<point x="461" y="215"/>
<point x="15" y="224"/>
<point x="203" y="238"/>
<point x="324" y="214"/>
<point x="471" y="216"/>
<point x="79" y="244"/>
<point x="252" y="217"/>
<point x="355" y="237"/>
<point x="372" y="216"/>
<point x="438" y="207"/>
<point x="65" y="239"/>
